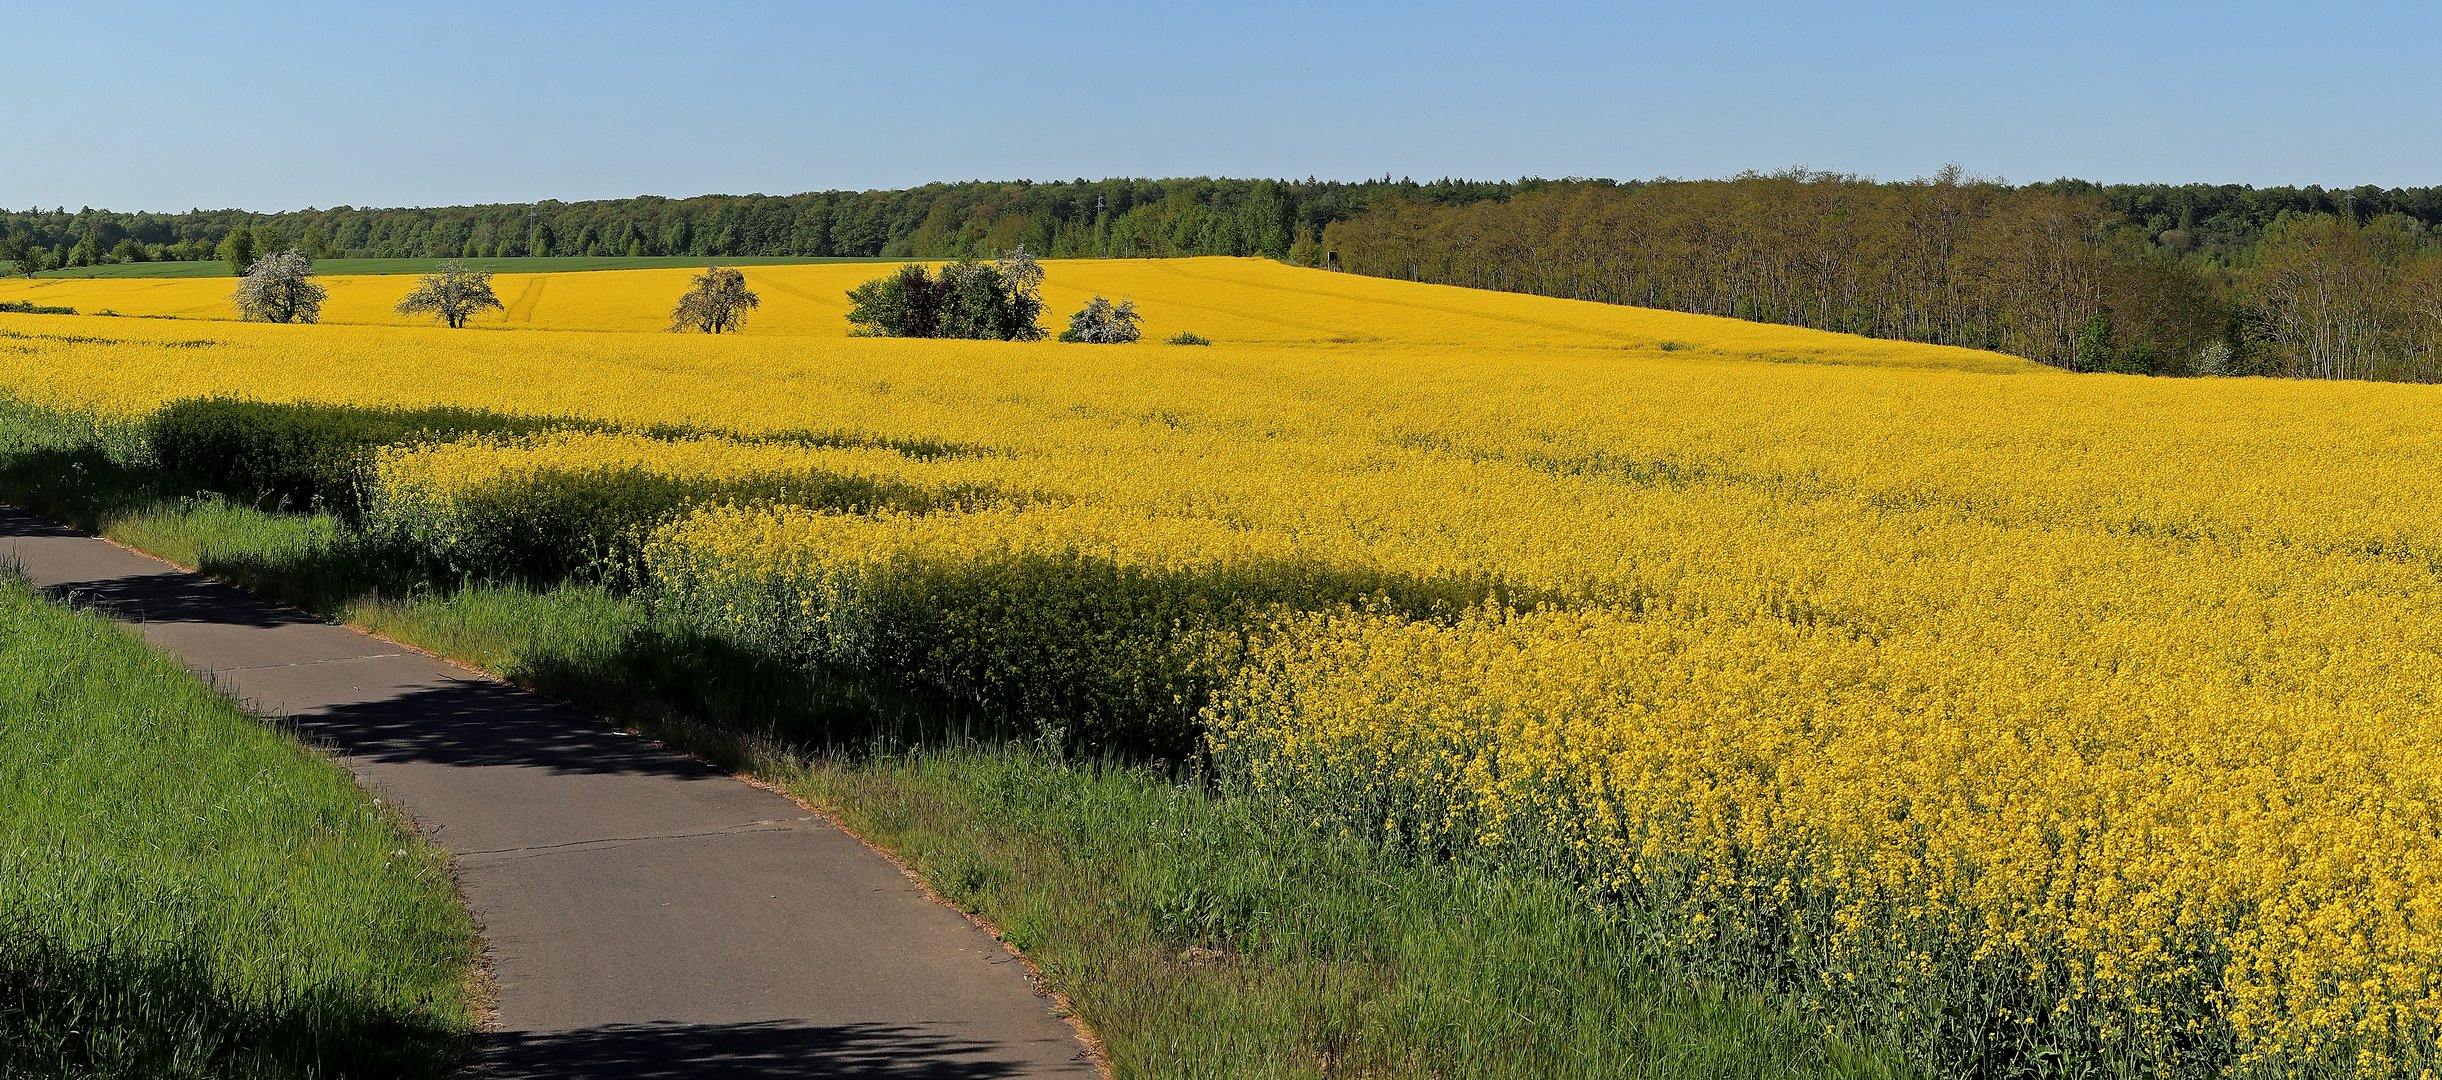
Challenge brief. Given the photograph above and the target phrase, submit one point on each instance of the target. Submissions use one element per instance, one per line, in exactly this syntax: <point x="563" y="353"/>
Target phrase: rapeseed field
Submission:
<point x="2046" y="723"/>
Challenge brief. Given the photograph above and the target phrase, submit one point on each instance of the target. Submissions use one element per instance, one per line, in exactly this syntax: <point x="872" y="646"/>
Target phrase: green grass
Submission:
<point x="546" y="264"/>
<point x="1203" y="940"/>
<point x="1195" y="937"/>
<point x="186" y="892"/>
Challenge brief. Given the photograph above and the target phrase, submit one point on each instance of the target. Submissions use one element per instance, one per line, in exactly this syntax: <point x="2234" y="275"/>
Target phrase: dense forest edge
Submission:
<point x="2191" y="279"/>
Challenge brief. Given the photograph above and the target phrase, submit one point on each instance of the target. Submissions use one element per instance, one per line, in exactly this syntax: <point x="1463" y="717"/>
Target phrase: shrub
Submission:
<point x="1185" y="337"/>
<point x="905" y="304"/>
<point x="28" y="307"/>
<point x="973" y="300"/>
<point x="2215" y="359"/>
<point x="1102" y="322"/>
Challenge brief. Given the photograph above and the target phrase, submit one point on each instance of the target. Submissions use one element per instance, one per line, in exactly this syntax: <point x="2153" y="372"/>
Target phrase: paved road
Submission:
<point x="647" y="915"/>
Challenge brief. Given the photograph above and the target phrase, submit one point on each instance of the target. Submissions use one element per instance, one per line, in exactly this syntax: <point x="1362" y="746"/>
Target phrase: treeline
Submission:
<point x="2157" y="280"/>
<point x="2169" y="279"/>
<point x="1070" y="219"/>
<point x="1116" y="218"/>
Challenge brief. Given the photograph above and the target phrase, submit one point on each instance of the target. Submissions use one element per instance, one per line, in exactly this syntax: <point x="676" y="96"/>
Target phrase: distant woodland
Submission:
<point x="2188" y="280"/>
<point x="2161" y="279"/>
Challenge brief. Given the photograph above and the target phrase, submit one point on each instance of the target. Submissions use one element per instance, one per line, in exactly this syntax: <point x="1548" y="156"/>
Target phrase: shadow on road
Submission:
<point x="168" y="597"/>
<point x="737" y="1052"/>
<point x="477" y="722"/>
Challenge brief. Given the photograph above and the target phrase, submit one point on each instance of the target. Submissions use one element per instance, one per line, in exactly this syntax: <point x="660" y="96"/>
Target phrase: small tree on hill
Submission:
<point x="280" y="288"/>
<point x="237" y="249"/>
<point x="1102" y="322"/>
<point x="454" y="294"/>
<point x="718" y="302"/>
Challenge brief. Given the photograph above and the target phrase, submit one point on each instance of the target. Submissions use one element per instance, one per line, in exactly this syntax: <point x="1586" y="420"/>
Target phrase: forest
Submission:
<point x="1105" y="218"/>
<point x="2139" y="279"/>
<point x="2142" y="278"/>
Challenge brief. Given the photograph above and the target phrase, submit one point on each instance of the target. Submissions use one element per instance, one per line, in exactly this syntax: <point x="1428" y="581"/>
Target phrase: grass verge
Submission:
<point x="186" y="892"/>
<point x="1195" y="937"/>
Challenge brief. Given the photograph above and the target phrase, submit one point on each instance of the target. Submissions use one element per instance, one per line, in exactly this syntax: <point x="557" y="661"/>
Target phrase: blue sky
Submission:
<point x="277" y="106"/>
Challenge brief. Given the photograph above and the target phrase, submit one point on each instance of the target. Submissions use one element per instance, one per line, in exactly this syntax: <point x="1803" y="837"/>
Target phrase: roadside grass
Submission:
<point x="1202" y="940"/>
<point x="186" y="892"/>
<point x="1192" y="935"/>
<point x="549" y="264"/>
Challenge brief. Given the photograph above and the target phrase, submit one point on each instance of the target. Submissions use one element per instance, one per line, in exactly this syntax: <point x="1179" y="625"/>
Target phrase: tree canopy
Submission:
<point x="994" y="301"/>
<point x="717" y="303"/>
<point x="1101" y="322"/>
<point x="453" y="294"/>
<point x="237" y="249"/>
<point x="280" y="288"/>
<point x="18" y="250"/>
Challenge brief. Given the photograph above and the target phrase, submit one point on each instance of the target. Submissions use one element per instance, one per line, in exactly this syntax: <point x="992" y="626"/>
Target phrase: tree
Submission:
<point x="454" y="293"/>
<point x="974" y="303"/>
<point x="995" y="301"/>
<point x="237" y="249"/>
<point x="20" y="252"/>
<point x="2214" y="359"/>
<point x="2336" y="300"/>
<point x="1102" y="322"/>
<point x="2094" y="345"/>
<point x="718" y="302"/>
<point x="280" y="288"/>
<point x="1305" y="250"/>
<point x="1024" y="277"/>
<point x="904" y="304"/>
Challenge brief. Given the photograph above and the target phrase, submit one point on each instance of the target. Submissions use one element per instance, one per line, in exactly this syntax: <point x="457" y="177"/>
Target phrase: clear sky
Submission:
<point x="165" y="106"/>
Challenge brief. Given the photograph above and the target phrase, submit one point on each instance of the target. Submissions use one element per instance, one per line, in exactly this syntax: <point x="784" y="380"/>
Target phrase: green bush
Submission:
<point x="971" y="299"/>
<point x="306" y="455"/>
<point x="28" y="307"/>
<point x="1187" y="337"/>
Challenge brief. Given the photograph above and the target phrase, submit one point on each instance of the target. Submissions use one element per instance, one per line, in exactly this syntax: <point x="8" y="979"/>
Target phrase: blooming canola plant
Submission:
<point x="2012" y="712"/>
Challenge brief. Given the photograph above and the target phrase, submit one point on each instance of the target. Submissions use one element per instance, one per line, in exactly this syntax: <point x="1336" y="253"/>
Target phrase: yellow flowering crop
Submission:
<point x="2034" y="718"/>
<point x="1228" y="300"/>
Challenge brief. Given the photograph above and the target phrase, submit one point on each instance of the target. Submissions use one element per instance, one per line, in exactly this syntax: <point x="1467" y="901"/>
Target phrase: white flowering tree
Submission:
<point x="280" y="288"/>
<point x="452" y="293"/>
<point x="1102" y="322"/>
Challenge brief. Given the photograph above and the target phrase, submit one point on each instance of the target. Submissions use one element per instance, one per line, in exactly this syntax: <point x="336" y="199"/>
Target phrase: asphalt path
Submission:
<point x="645" y="915"/>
